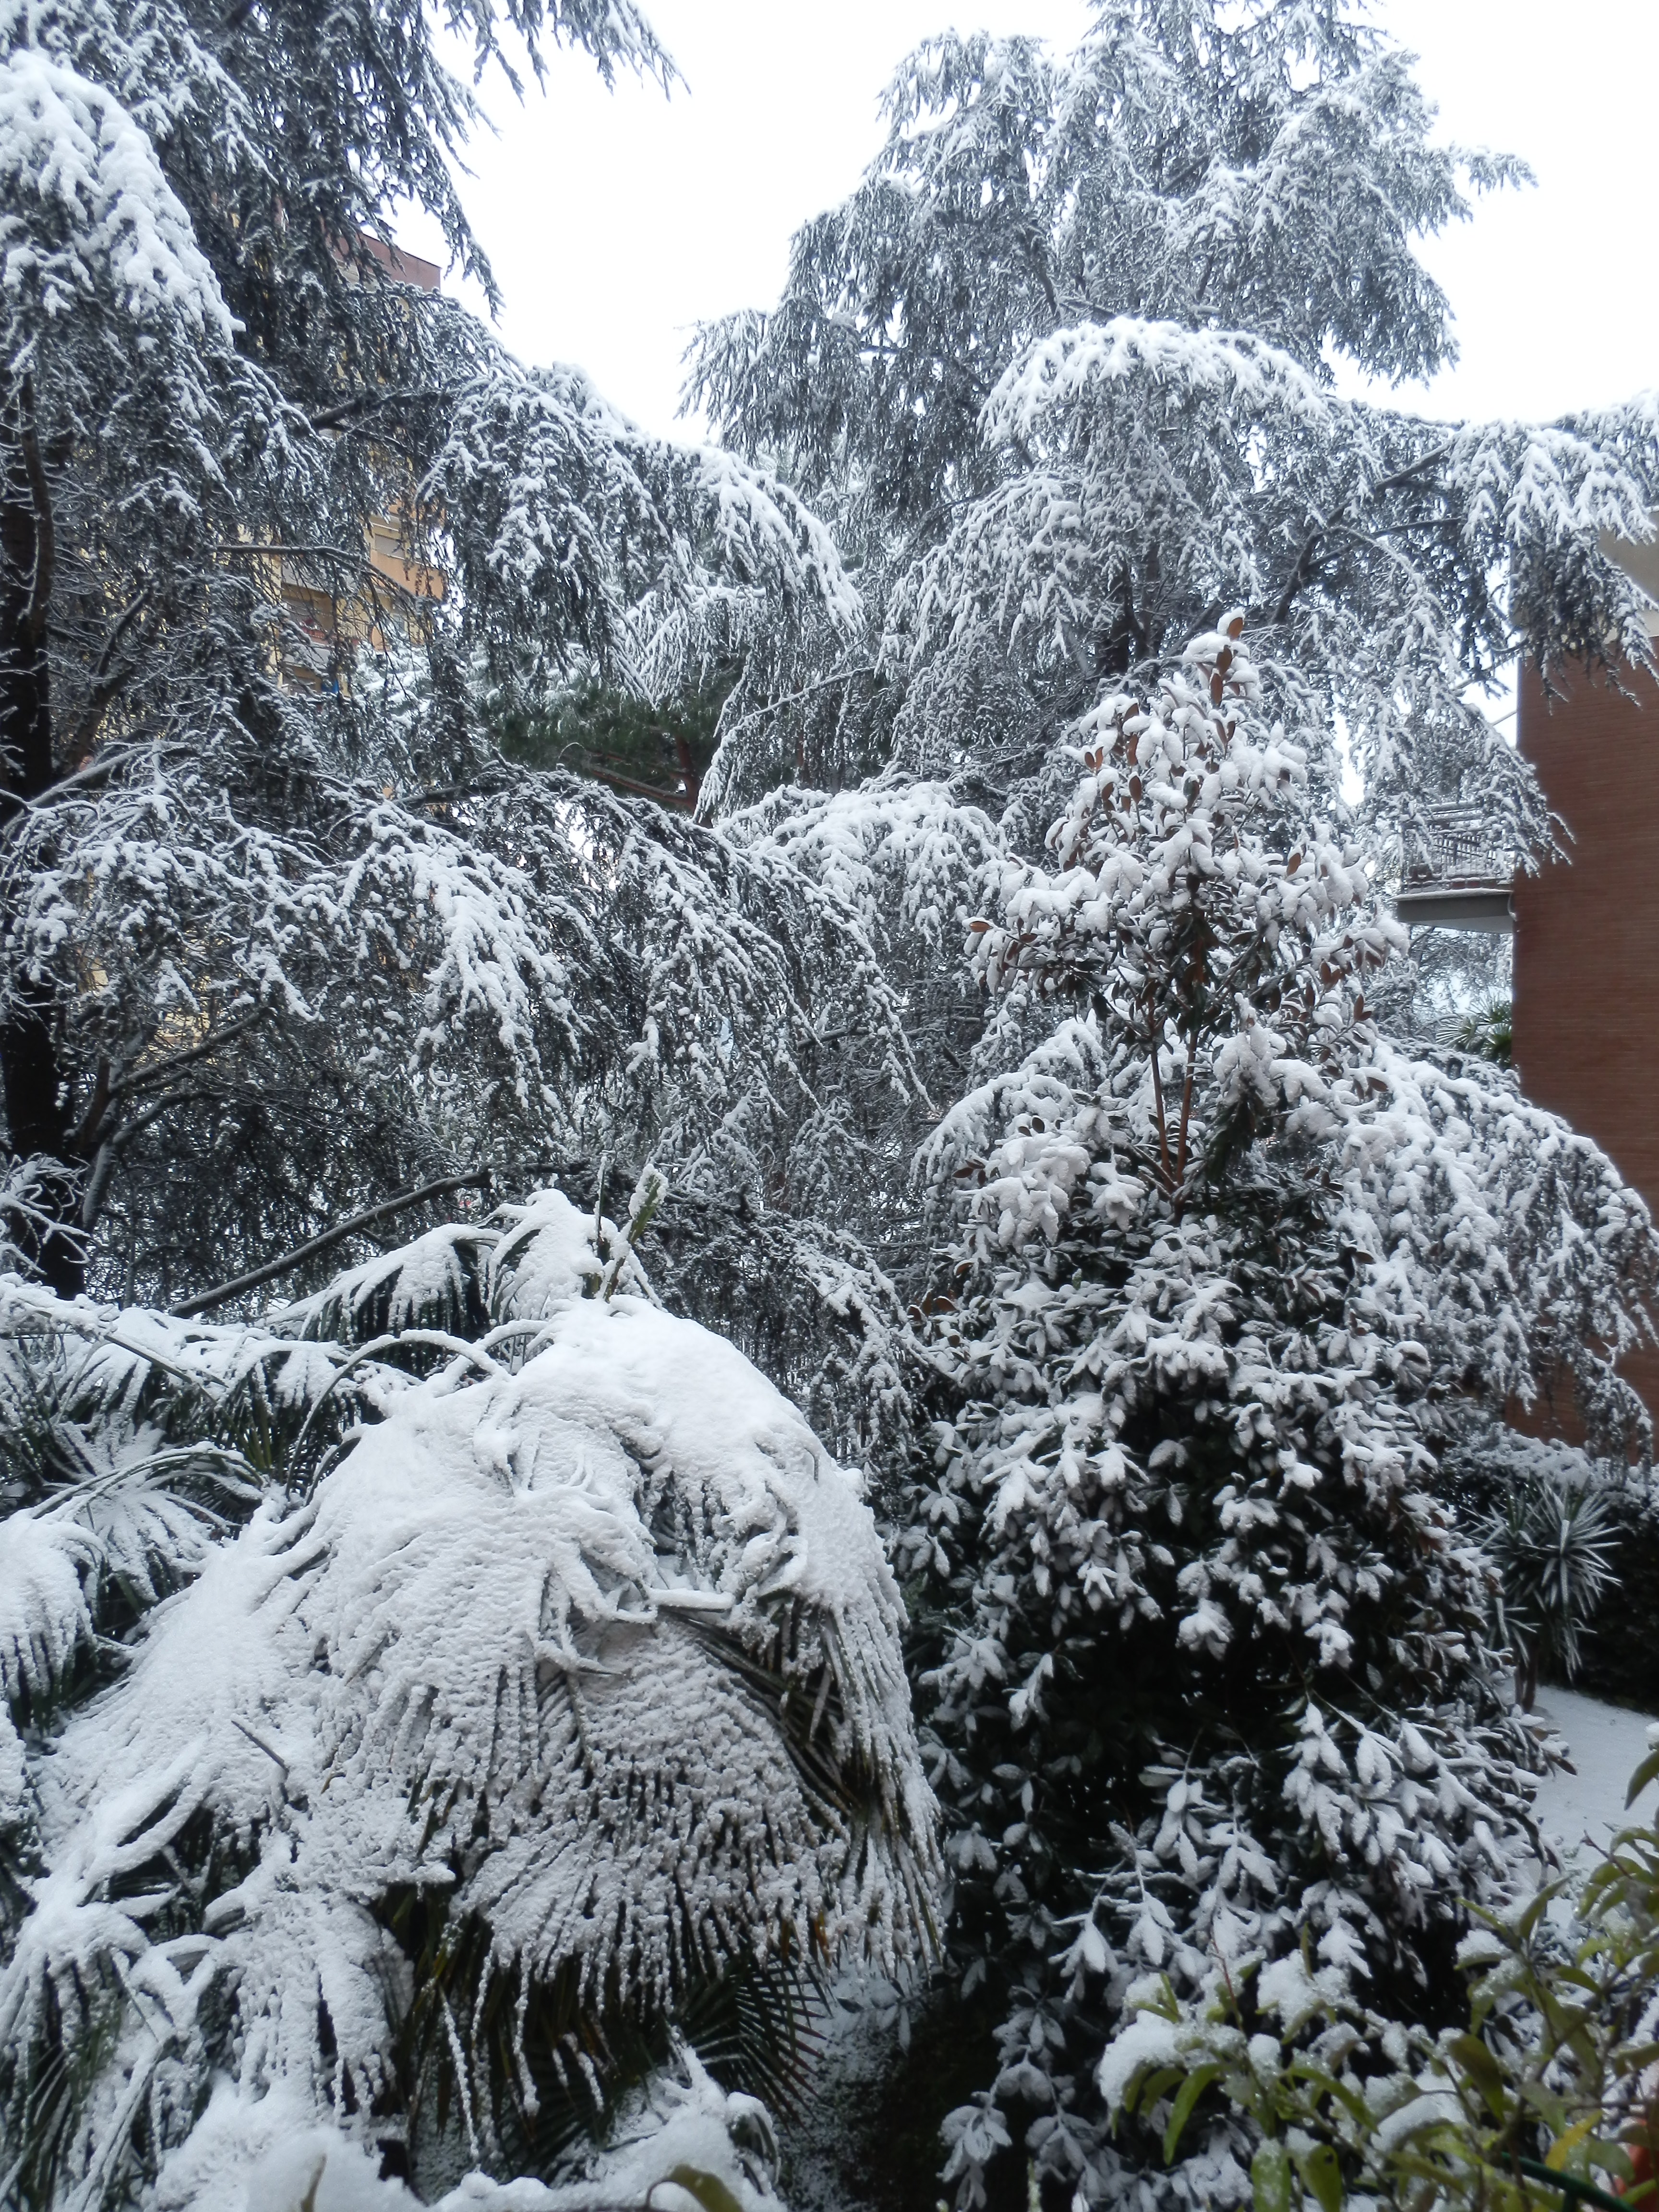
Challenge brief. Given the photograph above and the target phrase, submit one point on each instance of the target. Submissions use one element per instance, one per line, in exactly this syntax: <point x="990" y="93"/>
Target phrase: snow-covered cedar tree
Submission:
<point x="284" y="934"/>
<point x="444" y="1719"/>
<point x="1066" y="374"/>
<point x="1213" y="1676"/>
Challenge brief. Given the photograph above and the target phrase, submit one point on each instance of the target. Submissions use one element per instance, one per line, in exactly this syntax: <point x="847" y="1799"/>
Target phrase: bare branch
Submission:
<point x="161" y="1071"/>
<point x="1404" y="476"/>
<point x="477" y="1180"/>
<point x="45" y="533"/>
<point x="298" y="551"/>
<point x="20" y="807"/>
<point x="97" y="1107"/>
<point x="366" y="402"/>
<point x="122" y="1137"/>
<point x="106" y="686"/>
<point x="1301" y="573"/>
<point x="793" y="698"/>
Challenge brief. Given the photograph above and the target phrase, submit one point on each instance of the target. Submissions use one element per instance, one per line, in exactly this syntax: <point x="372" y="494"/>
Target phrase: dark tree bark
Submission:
<point x="32" y="1074"/>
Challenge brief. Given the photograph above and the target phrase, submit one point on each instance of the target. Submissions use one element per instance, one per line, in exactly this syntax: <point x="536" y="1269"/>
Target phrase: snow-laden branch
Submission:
<point x="88" y="214"/>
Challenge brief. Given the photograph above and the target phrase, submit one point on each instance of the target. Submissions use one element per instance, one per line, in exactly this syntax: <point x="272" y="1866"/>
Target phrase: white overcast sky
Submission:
<point x="616" y="221"/>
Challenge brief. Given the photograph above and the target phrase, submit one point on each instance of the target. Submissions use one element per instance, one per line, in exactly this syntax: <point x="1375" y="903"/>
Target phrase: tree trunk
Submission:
<point x="1526" y="1677"/>
<point x="37" y="1091"/>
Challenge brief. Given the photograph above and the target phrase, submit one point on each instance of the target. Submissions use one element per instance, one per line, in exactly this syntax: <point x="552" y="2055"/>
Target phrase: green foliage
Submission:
<point x="1621" y="1659"/>
<point x="1545" y="2098"/>
<point x="659" y="748"/>
<point x="553" y="2064"/>
<point x="1552" y="1543"/>
<point x="1490" y="1033"/>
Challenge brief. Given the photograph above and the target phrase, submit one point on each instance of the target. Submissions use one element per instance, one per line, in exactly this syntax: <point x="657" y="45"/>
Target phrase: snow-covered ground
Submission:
<point x="1606" y="1743"/>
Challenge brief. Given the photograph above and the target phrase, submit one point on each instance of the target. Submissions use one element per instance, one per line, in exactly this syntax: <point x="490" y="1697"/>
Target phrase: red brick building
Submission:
<point x="1586" y="931"/>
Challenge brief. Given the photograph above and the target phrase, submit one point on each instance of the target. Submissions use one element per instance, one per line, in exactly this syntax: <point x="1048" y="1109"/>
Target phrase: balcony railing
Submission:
<point x="1454" y="877"/>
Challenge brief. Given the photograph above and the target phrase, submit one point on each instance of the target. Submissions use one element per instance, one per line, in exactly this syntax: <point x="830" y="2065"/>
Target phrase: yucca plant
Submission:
<point x="1552" y="1541"/>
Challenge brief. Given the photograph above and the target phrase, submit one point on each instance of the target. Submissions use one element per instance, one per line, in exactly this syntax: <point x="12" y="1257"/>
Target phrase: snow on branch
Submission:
<point x="612" y="31"/>
<point x="561" y="513"/>
<point x="905" y="857"/>
<point x="87" y="214"/>
<point x="1053" y="378"/>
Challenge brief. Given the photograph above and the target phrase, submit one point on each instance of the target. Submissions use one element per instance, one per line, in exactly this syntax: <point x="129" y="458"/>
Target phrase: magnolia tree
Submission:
<point x="445" y="1722"/>
<point x="1214" y="1680"/>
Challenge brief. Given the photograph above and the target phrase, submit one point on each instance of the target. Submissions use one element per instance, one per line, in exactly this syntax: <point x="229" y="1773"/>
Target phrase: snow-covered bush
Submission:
<point x="1214" y="1676"/>
<point x="422" y="1709"/>
<point x="1548" y="2093"/>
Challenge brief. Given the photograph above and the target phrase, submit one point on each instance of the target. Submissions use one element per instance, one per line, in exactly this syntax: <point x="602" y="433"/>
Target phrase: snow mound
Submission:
<point x="269" y="2154"/>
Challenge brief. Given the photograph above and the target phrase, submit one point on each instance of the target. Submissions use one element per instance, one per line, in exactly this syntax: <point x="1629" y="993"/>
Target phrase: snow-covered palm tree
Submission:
<point x="448" y="1724"/>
